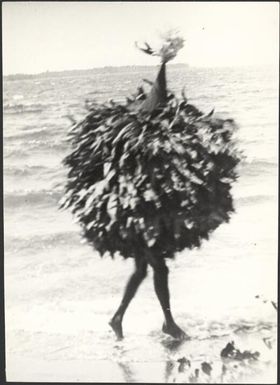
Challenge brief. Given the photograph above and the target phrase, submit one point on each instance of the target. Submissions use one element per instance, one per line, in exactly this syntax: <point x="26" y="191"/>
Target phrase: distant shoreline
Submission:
<point x="119" y="69"/>
<point x="81" y="72"/>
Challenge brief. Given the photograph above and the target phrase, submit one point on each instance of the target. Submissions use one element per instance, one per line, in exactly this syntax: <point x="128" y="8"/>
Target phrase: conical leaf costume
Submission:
<point x="153" y="175"/>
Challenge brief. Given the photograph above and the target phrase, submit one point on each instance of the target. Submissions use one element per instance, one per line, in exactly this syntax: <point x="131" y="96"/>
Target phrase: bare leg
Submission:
<point x="162" y="291"/>
<point x="130" y="290"/>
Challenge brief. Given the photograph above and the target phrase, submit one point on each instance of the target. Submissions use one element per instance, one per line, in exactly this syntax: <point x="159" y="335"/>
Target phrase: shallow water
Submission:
<point x="59" y="295"/>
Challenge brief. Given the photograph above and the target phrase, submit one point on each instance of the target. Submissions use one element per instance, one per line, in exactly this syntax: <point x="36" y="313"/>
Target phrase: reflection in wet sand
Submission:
<point x="128" y="374"/>
<point x="168" y="369"/>
<point x="173" y="345"/>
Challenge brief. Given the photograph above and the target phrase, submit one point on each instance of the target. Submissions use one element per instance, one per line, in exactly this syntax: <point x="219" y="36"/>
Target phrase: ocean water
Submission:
<point x="59" y="294"/>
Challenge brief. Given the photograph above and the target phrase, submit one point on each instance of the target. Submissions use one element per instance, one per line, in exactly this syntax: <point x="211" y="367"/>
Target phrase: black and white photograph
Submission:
<point x="140" y="191"/>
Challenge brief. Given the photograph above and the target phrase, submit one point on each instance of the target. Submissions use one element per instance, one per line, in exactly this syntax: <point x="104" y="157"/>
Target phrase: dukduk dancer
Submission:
<point x="150" y="178"/>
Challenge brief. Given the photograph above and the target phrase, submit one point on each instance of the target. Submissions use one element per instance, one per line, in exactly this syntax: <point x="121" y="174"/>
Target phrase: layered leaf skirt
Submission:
<point x="159" y="182"/>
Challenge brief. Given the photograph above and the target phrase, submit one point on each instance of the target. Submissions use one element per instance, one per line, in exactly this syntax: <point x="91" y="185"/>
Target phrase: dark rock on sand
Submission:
<point x="231" y="352"/>
<point x="206" y="368"/>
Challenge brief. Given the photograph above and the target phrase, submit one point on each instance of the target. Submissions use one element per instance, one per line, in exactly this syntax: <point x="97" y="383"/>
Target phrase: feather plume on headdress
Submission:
<point x="168" y="51"/>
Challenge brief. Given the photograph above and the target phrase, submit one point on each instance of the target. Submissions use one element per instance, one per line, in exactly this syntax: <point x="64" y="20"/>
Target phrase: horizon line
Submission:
<point x="88" y="69"/>
<point x="131" y="65"/>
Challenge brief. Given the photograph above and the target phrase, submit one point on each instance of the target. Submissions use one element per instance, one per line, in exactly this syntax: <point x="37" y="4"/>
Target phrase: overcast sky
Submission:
<point x="40" y="36"/>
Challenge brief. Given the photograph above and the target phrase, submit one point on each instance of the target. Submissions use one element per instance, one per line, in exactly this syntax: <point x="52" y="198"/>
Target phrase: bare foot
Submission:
<point x="116" y="325"/>
<point x="174" y="331"/>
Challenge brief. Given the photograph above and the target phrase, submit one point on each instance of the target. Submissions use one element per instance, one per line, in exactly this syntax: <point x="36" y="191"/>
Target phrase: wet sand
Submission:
<point x="123" y="367"/>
